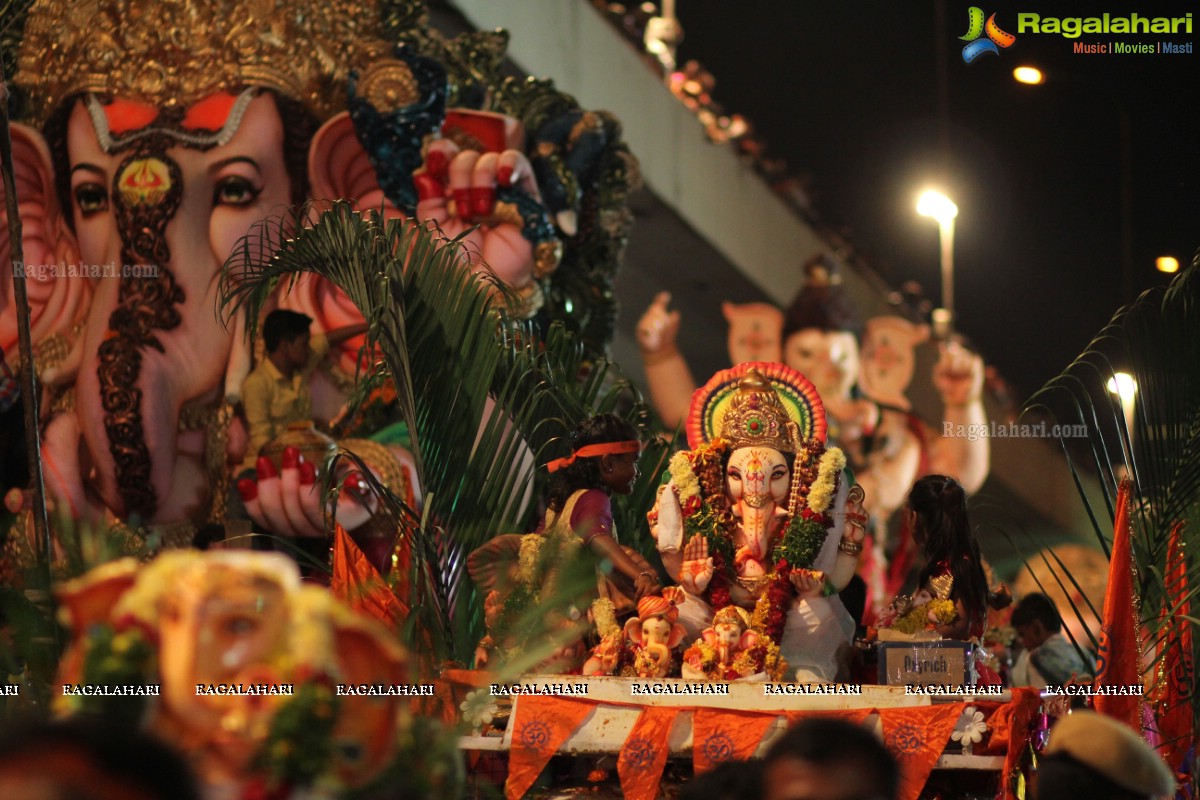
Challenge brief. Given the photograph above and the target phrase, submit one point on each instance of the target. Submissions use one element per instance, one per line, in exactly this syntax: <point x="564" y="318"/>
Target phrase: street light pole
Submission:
<point x="934" y="204"/>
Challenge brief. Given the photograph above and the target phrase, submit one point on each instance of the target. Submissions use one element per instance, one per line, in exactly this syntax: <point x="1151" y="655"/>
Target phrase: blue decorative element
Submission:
<point x="538" y="227"/>
<point x="977" y="48"/>
<point x="393" y="138"/>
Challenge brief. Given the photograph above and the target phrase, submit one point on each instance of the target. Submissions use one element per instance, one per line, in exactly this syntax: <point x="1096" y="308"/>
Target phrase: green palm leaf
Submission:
<point x="1156" y="341"/>
<point x="484" y="399"/>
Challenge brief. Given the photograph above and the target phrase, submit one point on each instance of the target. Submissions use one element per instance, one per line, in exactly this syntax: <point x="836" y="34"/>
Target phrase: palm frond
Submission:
<point x="483" y="398"/>
<point x="1156" y="442"/>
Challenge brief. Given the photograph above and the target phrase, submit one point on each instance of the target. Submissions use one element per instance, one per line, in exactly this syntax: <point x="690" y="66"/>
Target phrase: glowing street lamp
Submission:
<point x="1124" y="386"/>
<point x="1168" y="264"/>
<point x="934" y="204"/>
<point x="1029" y="75"/>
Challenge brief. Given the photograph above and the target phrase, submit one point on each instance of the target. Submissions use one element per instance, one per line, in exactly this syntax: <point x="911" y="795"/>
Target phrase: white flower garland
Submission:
<point x="820" y="494"/>
<point x="683" y="477"/>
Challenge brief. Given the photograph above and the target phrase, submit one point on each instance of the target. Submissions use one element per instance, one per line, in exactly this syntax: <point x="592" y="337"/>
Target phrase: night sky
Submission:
<point x="848" y="93"/>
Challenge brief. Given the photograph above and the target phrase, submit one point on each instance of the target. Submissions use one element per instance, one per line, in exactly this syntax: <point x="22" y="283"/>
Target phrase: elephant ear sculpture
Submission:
<point x="58" y="284"/>
<point x="192" y="621"/>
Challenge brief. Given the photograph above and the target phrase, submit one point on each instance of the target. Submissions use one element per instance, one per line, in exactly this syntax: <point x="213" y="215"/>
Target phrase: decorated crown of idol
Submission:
<point x="770" y="405"/>
<point x="177" y="52"/>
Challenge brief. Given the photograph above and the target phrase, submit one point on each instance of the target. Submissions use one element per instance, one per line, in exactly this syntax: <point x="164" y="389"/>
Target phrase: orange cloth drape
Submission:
<point x="1011" y="725"/>
<point x="357" y="583"/>
<point x="917" y="736"/>
<point x="541" y="725"/>
<point x="1117" y="661"/>
<point x="644" y="754"/>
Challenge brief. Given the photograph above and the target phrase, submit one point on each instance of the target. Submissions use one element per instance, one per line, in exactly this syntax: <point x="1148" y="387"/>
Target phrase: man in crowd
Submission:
<point x="277" y="392"/>
<point x="1095" y="757"/>
<point x="828" y="759"/>
<point x="1049" y="658"/>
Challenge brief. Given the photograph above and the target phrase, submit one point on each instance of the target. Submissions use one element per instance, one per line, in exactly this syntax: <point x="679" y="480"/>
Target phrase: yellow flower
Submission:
<point x="605" y="615"/>
<point x="527" y="565"/>
<point x="821" y="493"/>
<point x="683" y="476"/>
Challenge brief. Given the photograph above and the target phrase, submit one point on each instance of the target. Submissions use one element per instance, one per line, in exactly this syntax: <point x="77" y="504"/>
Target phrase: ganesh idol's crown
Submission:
<point x="174" y="52"/>
<point x="756" y="416"/>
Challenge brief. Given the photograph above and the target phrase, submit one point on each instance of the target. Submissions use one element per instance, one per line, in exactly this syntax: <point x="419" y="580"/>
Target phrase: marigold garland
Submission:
<point x="922" y="617"/>
<point x="820" y="494"/>
<point x="604" y="614"/>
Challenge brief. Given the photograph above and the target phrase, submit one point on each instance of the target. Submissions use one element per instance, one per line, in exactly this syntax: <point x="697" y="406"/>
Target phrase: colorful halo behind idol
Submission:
<point x="796" y="392"/>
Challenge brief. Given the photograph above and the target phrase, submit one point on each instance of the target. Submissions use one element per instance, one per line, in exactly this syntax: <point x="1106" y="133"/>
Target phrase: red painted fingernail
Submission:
<point x="428" y="187"/>
<point x="248" y="489"/>
<point x="265" y="468"/>
<point x="291" y="458"/>
<point x="483" y="199"/>
<point x="435" y="162"/>
<point x="354" y="482"/>
<point x="308" y="474"/>
<point x="462" y="203"/>
<point x="504" y="176"/>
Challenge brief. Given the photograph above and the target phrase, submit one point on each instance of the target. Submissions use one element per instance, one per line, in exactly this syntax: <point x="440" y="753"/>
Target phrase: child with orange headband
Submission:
<point x="603" y="462"/>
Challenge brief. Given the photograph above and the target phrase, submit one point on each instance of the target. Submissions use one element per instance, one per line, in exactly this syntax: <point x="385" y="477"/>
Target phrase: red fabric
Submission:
<point x="917" y="736"/>
<point x="1012" y="725"/>
<point x="1117" y="661"/>
<point x="720" y="735"/>
<point x="644" y="754"/>
<point x="358" y="584"/>
<point x="1174" y="693"/>
<point x="540" y="726"/>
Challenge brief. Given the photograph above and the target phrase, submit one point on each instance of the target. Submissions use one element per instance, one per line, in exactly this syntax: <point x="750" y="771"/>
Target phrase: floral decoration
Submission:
<point x="970" y="727"/>
<point x="479" y="708"/>
<point x="820" y="494"/>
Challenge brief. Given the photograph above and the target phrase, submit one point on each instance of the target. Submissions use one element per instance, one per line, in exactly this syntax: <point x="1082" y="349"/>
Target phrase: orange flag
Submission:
<point x="540" y="726"/>
<point x="644" y="753"/>
<point x="1173" y="693"/>
<point x="917" y="736"/>
<point x="720" y="735"/>
<point x="855" y="716"/>
<point x="358" y="584"/>
<point x="1117" y="661"/>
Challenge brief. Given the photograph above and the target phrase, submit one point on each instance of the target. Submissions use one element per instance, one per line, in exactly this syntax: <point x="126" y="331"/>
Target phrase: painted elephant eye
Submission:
<point x="235" y="190"/>
<point x="734" y="474"/>
<point x="240" y="626"/>
<point x="92" y="198"/>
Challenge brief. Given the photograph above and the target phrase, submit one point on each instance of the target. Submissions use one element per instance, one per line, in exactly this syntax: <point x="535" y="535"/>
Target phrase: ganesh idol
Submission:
<point x="155" y="134"/>
<point x="760" y="515"/>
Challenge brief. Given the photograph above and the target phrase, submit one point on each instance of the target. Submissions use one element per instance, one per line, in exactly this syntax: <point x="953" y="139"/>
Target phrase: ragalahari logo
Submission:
<point x="976" y="28"/>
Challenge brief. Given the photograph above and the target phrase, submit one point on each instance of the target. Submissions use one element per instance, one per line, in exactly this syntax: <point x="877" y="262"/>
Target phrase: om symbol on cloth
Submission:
<point x="718" y="747"/>
<point x="535" y="734"/>
<point x="905" y="740"/>
<point x="638" y="752"/>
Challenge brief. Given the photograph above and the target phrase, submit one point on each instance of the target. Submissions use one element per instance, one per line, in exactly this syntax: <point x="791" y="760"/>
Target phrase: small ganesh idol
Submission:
<point x="757" y="515"/>
<point x="732" y="650"/>
<point x="645" y="647"/>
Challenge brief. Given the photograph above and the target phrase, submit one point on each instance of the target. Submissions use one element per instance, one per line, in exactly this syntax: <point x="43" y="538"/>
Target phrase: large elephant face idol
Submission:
<point x="166" y="206"/>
